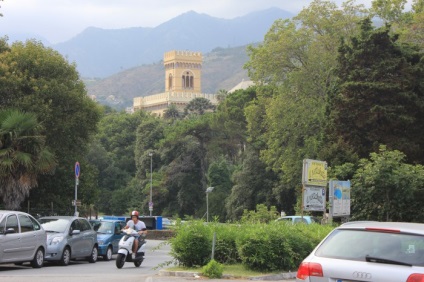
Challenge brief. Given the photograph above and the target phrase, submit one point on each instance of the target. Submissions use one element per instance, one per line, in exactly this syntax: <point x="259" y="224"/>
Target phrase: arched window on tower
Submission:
<point x="170" y="82"/>
<point x="188" y="80"/>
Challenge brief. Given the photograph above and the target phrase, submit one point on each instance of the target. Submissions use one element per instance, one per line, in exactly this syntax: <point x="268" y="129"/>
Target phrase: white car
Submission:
<point x="22" y="239"/>
<point x="367" y="251"/>
<point x="293" y="219"/>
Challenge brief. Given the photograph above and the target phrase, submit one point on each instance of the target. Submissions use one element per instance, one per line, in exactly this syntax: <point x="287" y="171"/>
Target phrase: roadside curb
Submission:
<point x="274" y="277"/>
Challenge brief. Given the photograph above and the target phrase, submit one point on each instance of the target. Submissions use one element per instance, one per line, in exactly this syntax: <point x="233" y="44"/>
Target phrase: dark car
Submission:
<point x="68" y="238"/>
<point x="108" y="236"/>
<point x="22" y="239"/>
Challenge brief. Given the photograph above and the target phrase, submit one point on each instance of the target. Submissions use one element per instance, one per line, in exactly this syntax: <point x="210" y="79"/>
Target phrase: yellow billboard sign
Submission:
<point x="314" y="172"/>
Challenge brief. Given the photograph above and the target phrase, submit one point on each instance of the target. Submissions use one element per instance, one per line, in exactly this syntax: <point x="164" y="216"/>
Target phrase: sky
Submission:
<point x="59" y="20"/>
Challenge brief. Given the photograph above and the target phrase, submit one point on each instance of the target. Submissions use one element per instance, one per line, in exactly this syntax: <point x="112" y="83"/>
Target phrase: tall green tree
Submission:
<point x="229" y="121"/>
<point x="386" y="188"/>
<point x="23" y="156"/>
<point x="296" y="61"/>
<point x="253" y="184"/>
<point x="380" y="99"/>
<point x="219" y="177"/>
<point x="37" y="79"/>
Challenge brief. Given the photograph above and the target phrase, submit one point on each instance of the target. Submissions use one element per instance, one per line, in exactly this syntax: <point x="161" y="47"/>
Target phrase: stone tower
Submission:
<point x="183" y="71"/>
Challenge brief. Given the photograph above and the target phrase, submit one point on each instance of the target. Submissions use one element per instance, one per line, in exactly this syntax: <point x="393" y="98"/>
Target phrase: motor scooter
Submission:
<point x="125" y="249"/>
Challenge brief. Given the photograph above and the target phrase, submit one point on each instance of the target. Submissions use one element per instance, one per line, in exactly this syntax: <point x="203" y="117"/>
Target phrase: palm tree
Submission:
<point x="222" y="94"/>
<point x="198" y="106"/>
<point x="171" y="112"/>
<point x="23" y="156"/>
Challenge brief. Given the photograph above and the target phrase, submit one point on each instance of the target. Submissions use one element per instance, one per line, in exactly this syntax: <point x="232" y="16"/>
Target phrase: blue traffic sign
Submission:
<point x="77" y="169"/>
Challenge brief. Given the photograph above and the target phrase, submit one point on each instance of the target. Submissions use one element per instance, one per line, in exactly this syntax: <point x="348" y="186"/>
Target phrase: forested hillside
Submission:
<point x="222" y="69"/>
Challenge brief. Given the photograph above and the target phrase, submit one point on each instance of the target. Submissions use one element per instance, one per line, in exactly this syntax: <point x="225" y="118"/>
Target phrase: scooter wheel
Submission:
<point x="120" y="260"/>
<point x="138" y="263"/>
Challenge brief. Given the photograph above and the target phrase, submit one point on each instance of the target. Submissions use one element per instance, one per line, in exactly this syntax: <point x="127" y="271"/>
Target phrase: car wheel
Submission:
<point x="94" y="254"/>
<point x="108" y="255"/>
<point x="38" y="259"/>
<point x="120" y="260"/>
<point x="66" y="257"/>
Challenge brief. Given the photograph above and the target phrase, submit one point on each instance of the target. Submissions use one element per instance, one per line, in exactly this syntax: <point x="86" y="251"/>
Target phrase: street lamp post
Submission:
<point x="151" y="172"/>
<point x="208" y="190"/>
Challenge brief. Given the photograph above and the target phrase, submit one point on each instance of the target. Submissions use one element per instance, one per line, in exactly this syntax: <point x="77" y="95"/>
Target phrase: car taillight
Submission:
<point x="416" y="277"/>
<point x="307" y="269"/>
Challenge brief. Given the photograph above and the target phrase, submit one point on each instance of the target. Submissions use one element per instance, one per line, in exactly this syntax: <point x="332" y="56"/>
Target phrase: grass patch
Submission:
<point x="236" y="270"/>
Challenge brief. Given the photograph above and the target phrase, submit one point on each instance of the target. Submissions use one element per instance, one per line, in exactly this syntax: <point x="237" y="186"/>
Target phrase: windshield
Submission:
<point x="104" y="227"/>
<point x="54" y="224"/>
<point x="379" y="247"/>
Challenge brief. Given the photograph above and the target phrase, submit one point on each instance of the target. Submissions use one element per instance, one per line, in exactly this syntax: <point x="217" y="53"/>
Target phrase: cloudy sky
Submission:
<point x="60" y="20"/>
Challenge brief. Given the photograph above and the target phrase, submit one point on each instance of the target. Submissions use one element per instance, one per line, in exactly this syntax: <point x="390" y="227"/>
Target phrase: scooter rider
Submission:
<point x="138" y="226"/>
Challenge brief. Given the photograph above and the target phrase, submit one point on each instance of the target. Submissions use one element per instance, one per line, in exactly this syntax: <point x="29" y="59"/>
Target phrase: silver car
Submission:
<point x="68" y="238"/>
<point x="22" y="239"/>
<point x="367" y="251"/>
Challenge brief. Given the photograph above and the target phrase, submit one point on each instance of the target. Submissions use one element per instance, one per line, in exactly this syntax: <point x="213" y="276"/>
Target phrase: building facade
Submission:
<point x="183" y="70"/>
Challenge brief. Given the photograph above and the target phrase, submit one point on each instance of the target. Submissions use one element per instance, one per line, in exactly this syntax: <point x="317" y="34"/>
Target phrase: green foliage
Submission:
<point x="388" y="10"/>
<point x="253" y="184"/>
<point x="219" y="176"/>
<point x="213" y="269"/>
<point x="385" y="188"/>
<point x="380" y="97"/>
<point x="39" y="80"/>
<point x="230" y="121"/>
<point x="263" y="247"/>
<point x="198" y="106"/>
<point x="296" y="61"/>
<point x="193" y="244"/>
<point x="261" y="215"/>
<point x="225" y="245"/>
<point x="23" y="156"/>
<point x="278" y="246"/>
<point x="172" y="112"/>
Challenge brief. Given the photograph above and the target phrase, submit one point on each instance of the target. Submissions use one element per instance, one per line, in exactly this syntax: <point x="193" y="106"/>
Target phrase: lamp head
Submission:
<point x="209" y="189"/>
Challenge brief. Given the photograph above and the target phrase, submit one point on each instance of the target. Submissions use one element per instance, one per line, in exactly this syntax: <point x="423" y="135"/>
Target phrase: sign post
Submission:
<point x="77" y="174"/>
<point x="314" y="185"/>
<point x="339" y="199"/>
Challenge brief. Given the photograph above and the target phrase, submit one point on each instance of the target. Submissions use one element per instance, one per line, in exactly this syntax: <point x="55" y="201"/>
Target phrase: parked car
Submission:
<point x="108" y="236"/>
<point x="299" y="219"/>
<point x="367" y="251"/>
<point x="22" y="239"/>
<point x="68" y="238"/>
<point x="167" y="223"/>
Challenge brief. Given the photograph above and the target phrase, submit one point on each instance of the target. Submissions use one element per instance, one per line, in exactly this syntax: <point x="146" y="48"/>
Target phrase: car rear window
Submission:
<point x="357" y="244"/>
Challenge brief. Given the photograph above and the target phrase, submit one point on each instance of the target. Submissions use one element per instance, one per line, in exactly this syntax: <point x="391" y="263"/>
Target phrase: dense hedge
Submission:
<point x="263" y="247"/>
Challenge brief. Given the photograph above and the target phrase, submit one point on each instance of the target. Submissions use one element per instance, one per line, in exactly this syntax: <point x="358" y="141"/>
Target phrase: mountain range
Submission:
<point x="119" y="64"/>
<point x="99" y="53"/>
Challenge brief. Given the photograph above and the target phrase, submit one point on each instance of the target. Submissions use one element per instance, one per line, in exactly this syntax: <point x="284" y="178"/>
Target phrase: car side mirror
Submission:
<point x="9" y="231"/>
<point x="75" y="232"/>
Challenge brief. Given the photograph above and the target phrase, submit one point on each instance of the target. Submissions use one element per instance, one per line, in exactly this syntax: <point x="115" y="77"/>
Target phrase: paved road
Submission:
<point x="105" y="271"/>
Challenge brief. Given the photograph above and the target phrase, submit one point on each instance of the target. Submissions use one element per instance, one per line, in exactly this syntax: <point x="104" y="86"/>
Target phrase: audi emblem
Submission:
<point x="361" y="275"/>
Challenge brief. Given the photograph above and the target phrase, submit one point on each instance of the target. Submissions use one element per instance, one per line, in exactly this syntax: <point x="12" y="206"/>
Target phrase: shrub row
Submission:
<point x="275" y="246"/>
